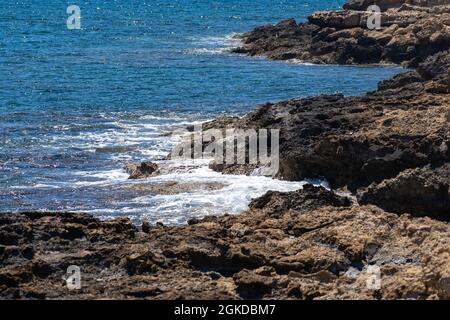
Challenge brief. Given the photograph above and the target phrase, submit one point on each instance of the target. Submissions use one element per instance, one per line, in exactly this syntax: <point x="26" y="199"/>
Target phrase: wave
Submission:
<point x="107" y="192"/>
<point x="213" y="45"/>
<point x="206" y="51"/>
<point x="233" y="197"/>
<point x="225" y="40"/>
<point x="299" y="62"/>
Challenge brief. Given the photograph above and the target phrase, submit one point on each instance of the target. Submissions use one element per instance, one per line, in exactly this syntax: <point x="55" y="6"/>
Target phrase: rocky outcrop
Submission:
<point x="141" y="170"/>
<point x="307" y="199"/>
<point x="422" y="192"/>
<point x="358" y="141"/>
<point x="355" y="141"/>
<point x="407" y="35"/>
<point x="362" y="5"/>
<point x="437" y="68"/>
<point x="308" y="244"/>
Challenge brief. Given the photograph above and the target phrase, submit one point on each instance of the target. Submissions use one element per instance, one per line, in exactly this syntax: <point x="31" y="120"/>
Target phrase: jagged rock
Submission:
<point x="421" y="192"/>
<point x="142" y="261"/>
<point x="435" y="66"/>
<point x="142" y="170"/>
<point x="407" y="35"/>
<point x="401" y="80"/>
<point x="362" y="5"/>
<point x="339" y="19"/>
<point x="307" y="199"/>
<point x="306" y="244"/>
<point x="251" y="285"/>
<point x="356" y="141"/>
<point x="146" y="227"/>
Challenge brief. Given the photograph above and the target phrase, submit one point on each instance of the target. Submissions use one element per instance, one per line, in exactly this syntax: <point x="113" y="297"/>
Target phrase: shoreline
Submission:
<point x="390" y="148"/>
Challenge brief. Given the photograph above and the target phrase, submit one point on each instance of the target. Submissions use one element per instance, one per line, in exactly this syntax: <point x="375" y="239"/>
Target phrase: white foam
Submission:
<point x="226" y="40"/>
<point x="143" y="136"/>
<point x="117" y="174"/>
<point x="103" y="177"/>
<point x="234" y="198"/>
<point x="300" y="62"/>
<point x="46" y="186"/>
<point x="213" y="44"/>
<point x="200" y="51"/>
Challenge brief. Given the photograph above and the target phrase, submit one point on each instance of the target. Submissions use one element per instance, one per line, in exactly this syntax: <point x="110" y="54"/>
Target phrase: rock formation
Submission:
<point x="141" y="170"/>
<point x="308" y="244"/>
<point x="422" y="192"/>
<point x="354" y="141"/>
<point x="390" y="147"/>
<point x="362" y="5"/>
<point x="408" y="35"/>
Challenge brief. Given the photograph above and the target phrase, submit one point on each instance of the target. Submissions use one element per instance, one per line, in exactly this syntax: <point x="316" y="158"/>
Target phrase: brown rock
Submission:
<point x="328" y="257"/>
<point x="142" y="170"/>
<point x="408" y="35"/>
<point x="362" y="5"/>
<point x="355" y="141"/>
<point x="421" y="192"/>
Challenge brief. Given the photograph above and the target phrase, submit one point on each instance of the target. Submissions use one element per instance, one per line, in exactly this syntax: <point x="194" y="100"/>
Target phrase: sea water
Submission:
<point x="77" y="105"/>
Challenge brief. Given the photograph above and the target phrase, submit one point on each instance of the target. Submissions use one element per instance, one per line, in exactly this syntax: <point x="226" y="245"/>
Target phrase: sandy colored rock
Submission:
<point x="392" y="144"/>
<point x="141" y="170"/>
<point x="422" y="192"/>
<point x="362" y="5"/>
<point x="407" y="35"/>
<point x="315" y="248"/>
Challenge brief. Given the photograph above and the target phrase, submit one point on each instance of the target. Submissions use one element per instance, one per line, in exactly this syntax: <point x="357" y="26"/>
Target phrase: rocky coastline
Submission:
<point x="407" y="35"/>
<point x="389" y="149"/>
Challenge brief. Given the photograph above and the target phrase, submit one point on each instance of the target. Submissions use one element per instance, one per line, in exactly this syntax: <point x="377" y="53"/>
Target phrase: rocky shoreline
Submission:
<point x="390" y="148"/>
<point x="407" y="35"/>
<point x="307" y="244"/>
<point x="361" y="142"/>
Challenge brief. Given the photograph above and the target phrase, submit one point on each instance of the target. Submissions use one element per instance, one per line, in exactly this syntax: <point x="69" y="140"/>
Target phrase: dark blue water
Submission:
<point x="75" y="105"/>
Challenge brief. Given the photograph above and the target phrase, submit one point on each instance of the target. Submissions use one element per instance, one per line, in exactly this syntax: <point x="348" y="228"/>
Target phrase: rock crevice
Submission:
<point x="307" y="244"/>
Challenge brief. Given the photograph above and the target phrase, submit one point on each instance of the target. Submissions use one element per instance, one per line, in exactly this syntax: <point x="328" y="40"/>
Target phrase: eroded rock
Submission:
<point x="355" y="141"/>
<point x="305" y="245"/>
<point x="142" y="170"/>
<point x="362" y="5"/>
<point x="407" y="35"/>
<point x="421" y="192"/>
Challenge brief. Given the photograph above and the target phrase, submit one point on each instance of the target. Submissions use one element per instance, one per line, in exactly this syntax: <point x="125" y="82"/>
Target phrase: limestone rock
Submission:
<point x="306" y="244"/>
<point x="421" y="192"/>
<point x="142" y="170"/>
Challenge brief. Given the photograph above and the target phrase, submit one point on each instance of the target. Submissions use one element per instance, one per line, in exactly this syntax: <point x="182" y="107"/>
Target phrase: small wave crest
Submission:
<point x="213" y="45"/>
<point x="206" y="51"/>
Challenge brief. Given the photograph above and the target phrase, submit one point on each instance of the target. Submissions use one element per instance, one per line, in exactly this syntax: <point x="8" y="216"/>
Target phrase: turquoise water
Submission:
<point x="75" y="105"/>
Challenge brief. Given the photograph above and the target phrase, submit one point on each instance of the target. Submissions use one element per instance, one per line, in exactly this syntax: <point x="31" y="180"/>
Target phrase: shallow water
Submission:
<point x="75" y="105"/>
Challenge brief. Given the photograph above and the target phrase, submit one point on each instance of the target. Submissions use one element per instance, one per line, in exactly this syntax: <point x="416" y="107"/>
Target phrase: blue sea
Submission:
<point x="77" y="105"/>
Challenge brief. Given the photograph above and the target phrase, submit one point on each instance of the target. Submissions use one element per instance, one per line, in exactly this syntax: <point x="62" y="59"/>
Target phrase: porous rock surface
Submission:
<point x="309" y="244"/>
<point x="355" y="141"/>
<point x="407" y="35"/>
<point x="141" y="170"/>
<point x="426" y="189"/>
